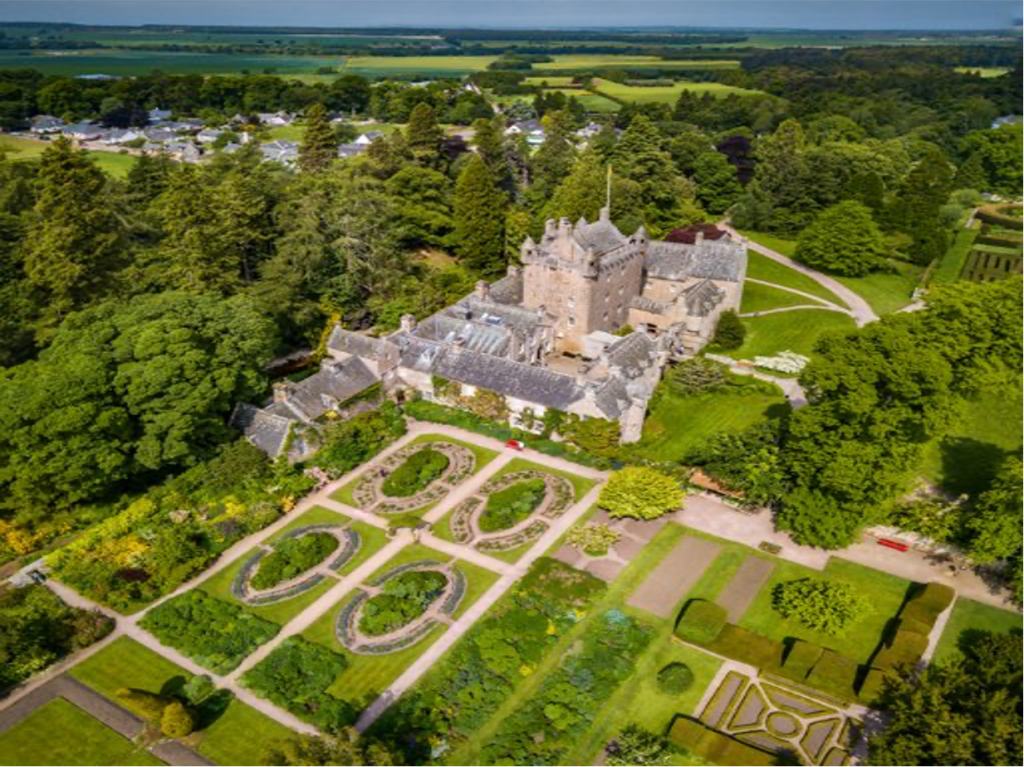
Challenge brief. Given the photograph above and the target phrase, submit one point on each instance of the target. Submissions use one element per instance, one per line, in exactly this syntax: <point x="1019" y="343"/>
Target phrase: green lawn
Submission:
<point x="763" y="268"/>
<point x="770" y="241"/>
<point x="61" y="733"/>
<point x="795" y="331"/>
<point x="126" y="663"/>
<point x="442" y="66"/>
<point x="113" y="163"/>
<point x="965" y="461"/>
<point x="240" y="735"/>
<point x="665" y="94"/>
<point x="293" y="132"/>
<point x="677" y="424"/>
<point x="885" y="592"/>
<point x="886" y="292"/>
<point x="483" y="457"/>
<point x="968" y="618"/>
<point x="760" y="298"/>
<point x="951" y="265"/>
<point x="983" y="71"/>
<point x="414" y="552"/>
<point x="478" y="581"/>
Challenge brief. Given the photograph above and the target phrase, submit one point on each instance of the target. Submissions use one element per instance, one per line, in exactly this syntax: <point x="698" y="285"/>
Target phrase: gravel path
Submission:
<point x="742" y="588"/>
<point x="674" y="576"/>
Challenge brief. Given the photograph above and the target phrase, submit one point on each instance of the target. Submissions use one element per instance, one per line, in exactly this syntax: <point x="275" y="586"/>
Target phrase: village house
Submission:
<point x="531" y="129"/>
<point x="365" y="139"/>
<point x="585" y="326"/>
<point x="275" y="119"/>
<point x="46" y="124"/>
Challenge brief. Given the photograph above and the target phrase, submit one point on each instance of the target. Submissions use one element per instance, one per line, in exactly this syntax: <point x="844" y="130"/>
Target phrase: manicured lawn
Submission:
<point x="666" y="94"/>
<point x="483" y="457"/>
<point x="240" y="735"/>
<point x="760" y="298"/>
<point x="113" y="163"/>
<point x="951" y="265"/>
<point x="886" y="292"/>
<point x="761" y="267"/>
<point x="677" y="424"/>
<point x="126" y="663"/>
<point x="885" y="592"/>
<point x="795" y="331"/>
<point x="966" y="460"/>
<point x="580" y="484"/>
<point x="770" y="241"/>
<point x="478" y="581"/>
<point x="293" y="132"/>
<point x="969" y="618"/>
<point x="219" y="586"/>
<point x="61" y="733"/>
<point x="414" y="552"/>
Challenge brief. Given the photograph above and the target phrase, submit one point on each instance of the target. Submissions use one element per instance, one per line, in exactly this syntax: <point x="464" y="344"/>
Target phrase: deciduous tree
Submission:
<point x="843" y="239"/>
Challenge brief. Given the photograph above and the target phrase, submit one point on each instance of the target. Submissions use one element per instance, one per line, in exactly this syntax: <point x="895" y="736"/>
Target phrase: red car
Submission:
<point x="515" y="444"/>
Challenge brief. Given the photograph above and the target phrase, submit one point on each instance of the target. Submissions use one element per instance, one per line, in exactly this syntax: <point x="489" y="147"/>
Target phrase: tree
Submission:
<point x="422" y="200"/>
<point x="697" y="375"/>
<point x="962" y="711"/>
<point x="916" y="204"/>
<point x="675" y="678"/>
<point x="319" y="147"/>
<point x="554" y="159"/>
<point x="717" y="185"/>
<point x="994" y="524"/>
<point x="1000" y="154"/>
<point x="780" y="189"/>
<point x="971" y="173"/>
<point x="74" y="240"/>
<point x="637" y="746"/>
<point x="146" y="704"/>
<point x="148" y="178"/>
<point x="730" y="331"/>
<point x="176" y="721"/>
<point x="869" y="190"/>
<point x="592" y="539"/>
<point x="423" y="136"/>
<point x="844" y="240"/>
<point x="490" y="145"/>
<point x="479" y="218"/>
<point x="821" y="605"/>
<point x="640" y="492"/>
<point x="347" y="748"/>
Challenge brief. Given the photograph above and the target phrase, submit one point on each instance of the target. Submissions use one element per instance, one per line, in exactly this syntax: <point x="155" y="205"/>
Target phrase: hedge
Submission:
<point x="716" y="747"/>
<point x="800" y="659"/>
<point x="415" y="473"/>
<point x="748" y="646"/>
<point x="873" y="684"/>
<point x="701" y="622"/>
<point x="991" y="214"/>
<point x="904" y="650"/>
<point x="935" y="596"/>
<point x="836" y="674"/>
<point x="913" y="626"/>
<point x="919" y="613"/>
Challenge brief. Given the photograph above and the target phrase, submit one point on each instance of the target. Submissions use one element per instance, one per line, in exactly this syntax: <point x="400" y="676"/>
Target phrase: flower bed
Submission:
<point x="405" y="482"/>
<point x="403" y="600"/>
<point x="514" y="540"/>
<point x="461" y="522"/>
<point x="508" y="507"/>
<point x="291" y="557"/>
<point x="415" y="473"/>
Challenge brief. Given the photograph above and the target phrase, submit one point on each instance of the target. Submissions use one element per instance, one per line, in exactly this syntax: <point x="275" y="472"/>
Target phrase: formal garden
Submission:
<point x="415" y="478"/>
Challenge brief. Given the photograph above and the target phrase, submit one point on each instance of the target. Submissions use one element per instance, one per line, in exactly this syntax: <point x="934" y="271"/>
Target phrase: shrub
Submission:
<point x="823" y="605"/>
<point x="593" y="539"/>
<point x="292" y="557"/>
<point x="698" y="375"/>
<point x="507" y="508"/>
<point x="801" y="659"/>
<point x="730" y="332"/>
<point x="214" y="633"/>
<point x="935" y="596"/>
<point x="415" y="473"/>
<point x="405" y="597"/>
<point x="176" y="721"/>
<point x="873" y="685"/>
<point x="296" y="676"/>
<point x="148" y="705"/>
<point x="198" y="688"/>
<point x="748" y="646"/>
<point x="715" y="747"/>
<point x="836" y="674"/>
<point x="701" y="622"/>
<point x="903" y="651"/>
<point x="675" y="678"/>
<point x="640" y="492"/>
<point x="638" y="746"/>
<point x="919" y="613"/>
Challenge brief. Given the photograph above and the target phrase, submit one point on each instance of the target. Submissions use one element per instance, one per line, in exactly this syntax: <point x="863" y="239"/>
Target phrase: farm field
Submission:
<point x="983" y="71"/>
<point x="666" y="94"/>
<point x="444" y="66"/>
<point x="607" y="61"/>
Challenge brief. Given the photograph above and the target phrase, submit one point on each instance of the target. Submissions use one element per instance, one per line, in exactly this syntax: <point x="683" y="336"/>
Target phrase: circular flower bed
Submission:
<point x="399" y="608"/>
<point x="418" y="471"/>
<point x="283" y="573"/>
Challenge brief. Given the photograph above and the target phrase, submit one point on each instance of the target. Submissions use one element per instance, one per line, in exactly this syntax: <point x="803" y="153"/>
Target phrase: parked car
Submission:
<point x="515" y="444"/>
<point x="37" y="576"/>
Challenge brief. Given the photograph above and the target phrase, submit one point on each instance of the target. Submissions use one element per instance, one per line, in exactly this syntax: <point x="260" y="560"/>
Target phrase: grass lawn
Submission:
<point x="983" y="71"/>
<point x="126" y="663"/>
<point x="760" y="298"/>
<point x="483" y="457"/>
<point x="666" y="94"/>
<point x="677" y="424"/>
<point x="885" y="592"/>
<point x="61" y="733"/>
<point x="763" y="268"/>
<point x="240" y="735"/>
<point x="795" y="331"/>
<point x="317" y="515"/>
<point x="951" y="265"/>
<point x="965" y="461"/>
<point x="969" y="618"/>
<point x="113" y="163"/>
<point x="478" y="581"/>
<point x="293" y="132"/>
<point x="886" y="292"/>
<point x="414" y="552"/>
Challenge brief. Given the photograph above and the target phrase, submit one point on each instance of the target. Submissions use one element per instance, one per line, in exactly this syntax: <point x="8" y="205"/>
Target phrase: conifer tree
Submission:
<point x="479" y="218"/>
<point x="148" y="178"/>
<point x="490" y="145"/>
<point x="554" y="158"/>
<point x="844" y="239"/>
<point x="971" y="174"/>
<point x="319" y="147"/>
<point x="423" y="136"/>
<point x="717" y="185"/>
<point x="915" y="208"/>
<point x="74" y="240"/>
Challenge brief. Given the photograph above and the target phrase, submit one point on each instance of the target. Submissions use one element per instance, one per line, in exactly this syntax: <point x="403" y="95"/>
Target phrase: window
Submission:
<point x="572" y="321"/>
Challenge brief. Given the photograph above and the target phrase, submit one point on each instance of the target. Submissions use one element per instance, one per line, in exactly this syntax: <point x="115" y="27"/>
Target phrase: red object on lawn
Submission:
<point x="515" y="444"/>
<point x="893" y="544"/>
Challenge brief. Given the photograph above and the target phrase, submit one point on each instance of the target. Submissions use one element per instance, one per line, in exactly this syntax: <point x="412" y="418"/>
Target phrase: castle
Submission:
<point x="584" y="326"/>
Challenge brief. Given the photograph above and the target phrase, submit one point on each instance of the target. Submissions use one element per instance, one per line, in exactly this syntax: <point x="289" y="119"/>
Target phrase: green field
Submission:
<point x="113" y="163"/>
<point x="795" y="331"/>
<point x="967" y="620"/>
<point x="677" y="424"/>
<point x="665" y="94"/>
<point x="610" y="61"/>
<point x="763" y="268"/>
<point x="440" y="66"/>
<point x="983" y="71"/>
<point x="760" y="298"/>
<point x="61" y="733"/>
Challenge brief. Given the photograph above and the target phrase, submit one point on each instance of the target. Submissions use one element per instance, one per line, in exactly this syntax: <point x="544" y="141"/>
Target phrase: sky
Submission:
<point x="793" y="14"/>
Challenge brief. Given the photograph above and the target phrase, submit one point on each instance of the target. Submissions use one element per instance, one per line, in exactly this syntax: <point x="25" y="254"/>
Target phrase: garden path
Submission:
<point x="818" y="300"/>
<point x="674" y="576"/>
<point x="791" y="387"/>
<point x="936" y="633"/>
<point x="860" y="309"/>
<point x="799" y="307"/>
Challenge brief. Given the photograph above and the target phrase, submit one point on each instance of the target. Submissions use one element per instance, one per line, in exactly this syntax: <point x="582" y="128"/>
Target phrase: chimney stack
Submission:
<point x="408" y="323"/>
<point x="483" y="290"/>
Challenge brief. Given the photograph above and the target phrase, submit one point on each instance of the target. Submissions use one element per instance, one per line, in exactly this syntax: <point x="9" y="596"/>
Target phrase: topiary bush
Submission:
<point x="730" y="332"/>
<point x="801" y="659"/>
<point x="640" y="492"/>
<point x="292" y="557"/>
<point x="675" y="678"/>
<point x="935" y="597"/>
<point x="836" y="674"/>
<point x="415" y="473"/>
<point x="823" y="605"/>
<point x="404" y="598"/>
<point x="595" y="540"/>
<point x="148" y="705"/>
<point x="176" y="721"/>
<point x="701" y="622"/>
<point x="507" y="508"/>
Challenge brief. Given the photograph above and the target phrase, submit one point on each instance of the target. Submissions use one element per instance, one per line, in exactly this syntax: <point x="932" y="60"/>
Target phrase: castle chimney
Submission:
<point x="549" y="228"/>
<point x="483" y="290"/>
<point x="605" y="214"/>
<point x="408" y="323"/>
<point x="282" y="389"/>
<point x="514" y="271"/>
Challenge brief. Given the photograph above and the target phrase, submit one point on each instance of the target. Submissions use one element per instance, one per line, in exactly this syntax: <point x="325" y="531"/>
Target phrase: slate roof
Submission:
<point x="631" y="353"/>
<point x="602" y="236"/>
<point x="612" y="397"/>
<point x="332" y="384"/>
<point x="702" y="297"/>
<point x="356" y="344"/>
<point x="265" y="429"/>
<point x="496" y="314"/>
<point x="645" y="304"/>
<point x="720" y="260"/>
<point x="476" y="336"/>
<point x="508" y="290"/>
